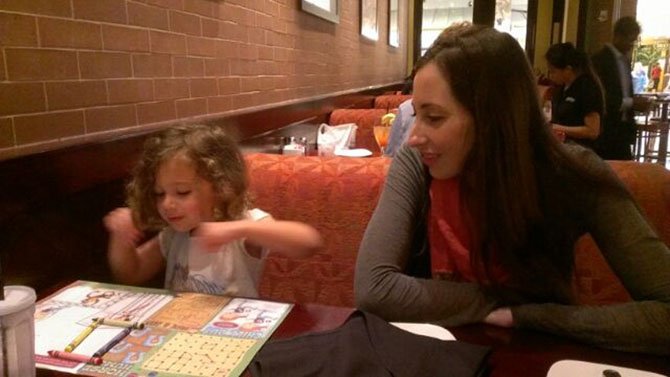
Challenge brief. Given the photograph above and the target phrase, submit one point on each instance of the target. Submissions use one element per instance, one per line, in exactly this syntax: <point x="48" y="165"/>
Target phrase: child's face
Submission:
<point x="183" y="198"/>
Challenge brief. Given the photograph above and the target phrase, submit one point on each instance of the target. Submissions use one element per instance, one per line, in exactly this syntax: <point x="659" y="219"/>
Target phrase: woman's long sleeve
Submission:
<point x="642" y="263"/>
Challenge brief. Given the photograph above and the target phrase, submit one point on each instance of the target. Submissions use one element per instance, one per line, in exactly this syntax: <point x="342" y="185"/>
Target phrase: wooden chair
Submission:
<point x="649" y="129"/>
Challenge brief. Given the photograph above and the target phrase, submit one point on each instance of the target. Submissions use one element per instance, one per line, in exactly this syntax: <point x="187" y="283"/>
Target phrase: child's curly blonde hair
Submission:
<point x="217" y="159"/>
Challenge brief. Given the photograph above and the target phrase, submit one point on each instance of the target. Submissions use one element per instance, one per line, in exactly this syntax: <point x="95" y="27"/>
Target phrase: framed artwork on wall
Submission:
<point x="394" y="22"/>
<point x="326" y="9"/>
<point x="369" y="25"/>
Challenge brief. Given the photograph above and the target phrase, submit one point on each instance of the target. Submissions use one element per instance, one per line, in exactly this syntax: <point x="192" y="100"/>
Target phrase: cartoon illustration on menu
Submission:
<point x="98" y="298"/>
<point x="48" y="309"/>
<point x="241" y="310"/>
<point x="243" y="318"/>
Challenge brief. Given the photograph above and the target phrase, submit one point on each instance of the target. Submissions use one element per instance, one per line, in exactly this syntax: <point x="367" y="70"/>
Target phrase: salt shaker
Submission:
<point x="294" y="147"/>
<point x="303" y="142"/>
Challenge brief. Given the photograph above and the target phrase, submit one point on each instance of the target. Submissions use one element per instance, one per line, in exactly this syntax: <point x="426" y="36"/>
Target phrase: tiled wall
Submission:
<point x="73" y="70"/>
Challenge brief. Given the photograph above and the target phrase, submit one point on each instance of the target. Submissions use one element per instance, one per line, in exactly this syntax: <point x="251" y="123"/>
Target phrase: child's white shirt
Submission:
<point x="229" y="271"/>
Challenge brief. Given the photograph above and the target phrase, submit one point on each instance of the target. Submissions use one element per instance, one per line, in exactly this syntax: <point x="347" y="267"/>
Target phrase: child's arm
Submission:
<point x="291" y="238"/>
<point x="129" y="263"/>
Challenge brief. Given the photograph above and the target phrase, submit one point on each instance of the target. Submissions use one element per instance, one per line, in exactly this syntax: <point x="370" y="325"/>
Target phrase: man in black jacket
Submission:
<point x="612" y="64"/>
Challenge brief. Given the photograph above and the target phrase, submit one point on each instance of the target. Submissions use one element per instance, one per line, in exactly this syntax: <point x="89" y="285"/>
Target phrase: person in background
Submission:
<point x="612" y="64"/>
<point x="407" y="86"/>
<point x="480" y="211"/>
<point x="190" y="185"/>
<point x="655" y="76"/>
<point x="577" y="102"/>
<point x="640" y="79"/>
<point x="403" y="120"/>
<point x="400" y="128"/>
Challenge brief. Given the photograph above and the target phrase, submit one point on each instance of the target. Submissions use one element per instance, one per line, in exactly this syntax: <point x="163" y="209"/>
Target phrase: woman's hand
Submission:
<point x="558" y="131"/>
<point x="500" y="317"/>
<point x="119" y="224"/>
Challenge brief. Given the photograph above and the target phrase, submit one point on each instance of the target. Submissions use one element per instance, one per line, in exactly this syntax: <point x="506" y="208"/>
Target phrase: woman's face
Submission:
<point x="557" y="75"/>
<point x="443" y="131"/>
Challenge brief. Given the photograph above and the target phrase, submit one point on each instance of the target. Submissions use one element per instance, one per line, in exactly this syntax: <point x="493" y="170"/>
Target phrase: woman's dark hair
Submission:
<point x="563" y="55"/>
<point x="516" y="178"/>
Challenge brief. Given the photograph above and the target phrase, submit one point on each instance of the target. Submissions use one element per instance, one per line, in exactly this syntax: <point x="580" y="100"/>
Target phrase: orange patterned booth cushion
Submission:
<point x="365" y="119"/>
<point x="650" y="185"/>
<point x="390" y="101"/>
<point x="336" y="195"/>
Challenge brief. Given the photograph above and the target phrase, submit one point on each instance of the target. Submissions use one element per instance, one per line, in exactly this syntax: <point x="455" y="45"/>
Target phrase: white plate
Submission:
<point x="358" y="152"/>
<point x="425" y="329"/>
<point x="576" y="368"/>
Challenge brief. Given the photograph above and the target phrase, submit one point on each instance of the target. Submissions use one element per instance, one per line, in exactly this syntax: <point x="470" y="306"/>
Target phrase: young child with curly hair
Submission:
<point x="190" y="185"/>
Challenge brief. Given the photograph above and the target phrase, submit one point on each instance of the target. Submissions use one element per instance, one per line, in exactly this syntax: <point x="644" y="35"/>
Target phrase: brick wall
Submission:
<point x="81" y="70"/>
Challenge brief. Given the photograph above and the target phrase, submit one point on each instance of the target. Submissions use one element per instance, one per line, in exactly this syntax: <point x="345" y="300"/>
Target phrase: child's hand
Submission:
<point x="119" y="224"/>
<point x="211" y="235"/>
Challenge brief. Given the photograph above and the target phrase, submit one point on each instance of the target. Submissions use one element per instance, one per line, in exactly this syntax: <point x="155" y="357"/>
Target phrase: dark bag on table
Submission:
<point x="366" y="345"/>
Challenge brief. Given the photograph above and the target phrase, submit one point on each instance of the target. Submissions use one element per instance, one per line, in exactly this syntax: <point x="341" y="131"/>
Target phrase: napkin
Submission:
<point x="338" y="137"/>
<point x="366" y="345"/>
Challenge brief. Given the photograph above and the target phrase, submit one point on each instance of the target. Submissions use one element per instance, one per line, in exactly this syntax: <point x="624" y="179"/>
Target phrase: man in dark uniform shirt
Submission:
<point x="612" y="64"/>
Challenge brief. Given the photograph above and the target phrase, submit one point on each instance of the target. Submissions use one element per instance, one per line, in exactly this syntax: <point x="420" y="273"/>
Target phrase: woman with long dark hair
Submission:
<point x="481" y="211"/>
<point x="577" y="101"/>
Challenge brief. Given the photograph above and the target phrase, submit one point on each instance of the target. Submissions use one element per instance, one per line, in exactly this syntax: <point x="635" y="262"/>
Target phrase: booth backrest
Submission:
<point x="334" y="194"/>
<point x="365" y="119"/>
<point x="650" y="186"/>
<point x="390" y="101"/>
<point x="337" y="195"/>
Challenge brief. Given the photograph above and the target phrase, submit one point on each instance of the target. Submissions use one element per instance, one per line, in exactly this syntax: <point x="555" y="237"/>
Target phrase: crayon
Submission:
<point x="89" y="329"/>
<point x="118" y="323"/>
<point x="75" y="357"/>
<point x="109" y="345"/>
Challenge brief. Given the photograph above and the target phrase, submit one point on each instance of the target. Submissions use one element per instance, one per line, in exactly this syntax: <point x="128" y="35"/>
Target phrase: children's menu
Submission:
<point x="171" y="334"/>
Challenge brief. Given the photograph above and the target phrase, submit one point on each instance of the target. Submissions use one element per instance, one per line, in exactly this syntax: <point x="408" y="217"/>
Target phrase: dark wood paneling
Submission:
<point x="531" y="30"/>
<point x="484" y="12"/>
<point x="581" y="24"/>
<point x="418" y="25"/>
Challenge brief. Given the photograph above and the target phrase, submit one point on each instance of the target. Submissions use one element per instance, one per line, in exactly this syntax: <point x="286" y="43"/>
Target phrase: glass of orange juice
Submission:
<point x="382" y="136"/>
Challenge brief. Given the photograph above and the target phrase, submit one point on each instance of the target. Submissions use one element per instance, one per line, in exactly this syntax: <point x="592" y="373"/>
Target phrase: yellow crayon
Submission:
<point x="89" y="329"/>
<point x="118" y="323"/>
